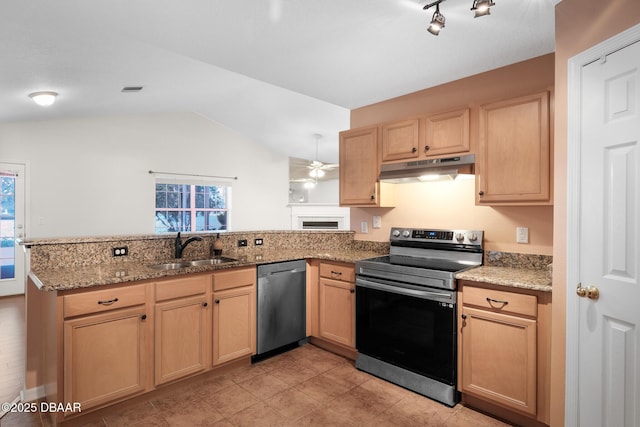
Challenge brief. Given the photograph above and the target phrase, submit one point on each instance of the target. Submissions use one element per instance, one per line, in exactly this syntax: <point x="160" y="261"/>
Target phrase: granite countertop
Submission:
<point x="515" y="277"/>
<point x="108" y="274"/>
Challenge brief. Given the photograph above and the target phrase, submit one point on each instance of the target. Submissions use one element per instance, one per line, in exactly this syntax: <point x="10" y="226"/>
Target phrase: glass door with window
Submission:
<point x="12" y="257"/>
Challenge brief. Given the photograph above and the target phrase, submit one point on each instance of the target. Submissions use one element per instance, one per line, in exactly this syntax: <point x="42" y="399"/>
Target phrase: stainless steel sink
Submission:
<point x="196" y="263"/>
<point x="170" y="265"/>
<point x="213" y="261"/>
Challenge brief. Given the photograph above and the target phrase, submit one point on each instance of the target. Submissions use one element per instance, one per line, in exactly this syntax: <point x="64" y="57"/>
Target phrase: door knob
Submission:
<point x="590" y="292"/>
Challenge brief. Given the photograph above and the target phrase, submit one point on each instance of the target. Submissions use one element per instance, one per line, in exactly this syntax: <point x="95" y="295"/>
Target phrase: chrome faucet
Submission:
<point x="180" y="246"/>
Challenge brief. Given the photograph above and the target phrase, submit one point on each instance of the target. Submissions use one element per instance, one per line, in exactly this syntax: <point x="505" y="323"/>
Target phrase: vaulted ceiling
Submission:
<point x="276" y="71"/>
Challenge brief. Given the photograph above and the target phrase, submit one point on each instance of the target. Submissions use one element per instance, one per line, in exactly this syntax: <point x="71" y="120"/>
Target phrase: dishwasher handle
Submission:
<point x="288" y="271"/>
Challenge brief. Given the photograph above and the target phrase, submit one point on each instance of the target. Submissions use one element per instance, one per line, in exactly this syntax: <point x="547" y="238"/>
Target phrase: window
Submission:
<point x="191" y="207"/>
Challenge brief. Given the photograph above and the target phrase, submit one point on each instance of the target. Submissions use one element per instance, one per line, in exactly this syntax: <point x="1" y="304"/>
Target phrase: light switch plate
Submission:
<point x="377" y="221"/>
<point x="522" y="235"/>
<point x="364" y="227"/>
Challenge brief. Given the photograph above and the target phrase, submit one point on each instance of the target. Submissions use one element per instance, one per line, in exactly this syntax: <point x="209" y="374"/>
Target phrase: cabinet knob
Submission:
<point x="426" y="148"/>
<point x="464" y="317"/>
<point x="414" y="149"/>
<point x="352" y="290"/>
<point x="205" y="304"/>
<point x="373" y="197"/>
<point x="143" y="317"/>
<point x="480" y="193"/>
<point x="217" y="301"/>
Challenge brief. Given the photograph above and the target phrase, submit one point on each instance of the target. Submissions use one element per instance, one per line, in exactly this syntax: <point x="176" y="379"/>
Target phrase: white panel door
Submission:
<point x="609" y="324"/>
<point x="12" y="206"/>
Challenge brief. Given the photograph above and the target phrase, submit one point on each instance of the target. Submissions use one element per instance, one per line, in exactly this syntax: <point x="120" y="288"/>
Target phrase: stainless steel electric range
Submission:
<point x="406" y="329"/>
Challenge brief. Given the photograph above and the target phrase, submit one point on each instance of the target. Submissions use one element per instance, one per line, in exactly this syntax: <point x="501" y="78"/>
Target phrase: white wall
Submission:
<point x="89" y="176"/>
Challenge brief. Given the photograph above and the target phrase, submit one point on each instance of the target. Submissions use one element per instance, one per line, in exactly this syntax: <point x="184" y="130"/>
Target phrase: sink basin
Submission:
<point x="213" y="261"/>
<point x="170" y="265"/>
<point x="196" y="263"/>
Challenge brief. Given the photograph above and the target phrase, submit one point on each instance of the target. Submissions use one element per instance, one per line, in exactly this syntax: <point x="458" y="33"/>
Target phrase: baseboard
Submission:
<point x="32" y="394"/>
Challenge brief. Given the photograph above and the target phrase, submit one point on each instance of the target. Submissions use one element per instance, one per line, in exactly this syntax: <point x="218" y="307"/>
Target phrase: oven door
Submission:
<point x="408" y="326"/>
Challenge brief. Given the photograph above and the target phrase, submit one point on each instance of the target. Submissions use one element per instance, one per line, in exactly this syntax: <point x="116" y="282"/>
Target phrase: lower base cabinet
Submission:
<point x="504" y="350"/>
<point x="105" y="357"/>
<point x="234" y="319"/>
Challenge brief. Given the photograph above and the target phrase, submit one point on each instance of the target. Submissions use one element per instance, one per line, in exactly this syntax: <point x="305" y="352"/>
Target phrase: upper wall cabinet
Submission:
<point x="359" y="169"/>
<point x="441" y="134"/>
<point x="400" y="140"/>
<point x="447" y="133"/>
<point x="513" y="162"/>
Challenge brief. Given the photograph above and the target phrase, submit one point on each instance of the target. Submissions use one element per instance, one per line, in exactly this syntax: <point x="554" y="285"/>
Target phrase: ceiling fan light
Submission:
<point x="482" y="7"/>
<point x="43" y="99"/>
<point x="316" y="173"/>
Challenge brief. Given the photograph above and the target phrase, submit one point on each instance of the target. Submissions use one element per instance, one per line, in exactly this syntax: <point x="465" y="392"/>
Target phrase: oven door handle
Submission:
<point x="401" y="291"/>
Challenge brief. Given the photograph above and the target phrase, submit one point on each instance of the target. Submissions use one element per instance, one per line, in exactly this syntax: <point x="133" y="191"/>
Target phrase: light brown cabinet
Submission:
<point x="503" y="349"/>
<point x="182" y="327"/>
<point x="513" y="163"/>
<point x="436" y="135"/>
<point x="401" y="140"/>
<point x="105" y="354"/>
<point x="336" y="303"/>
<point x="360" y="168"/>
<point x="234" y="314"/>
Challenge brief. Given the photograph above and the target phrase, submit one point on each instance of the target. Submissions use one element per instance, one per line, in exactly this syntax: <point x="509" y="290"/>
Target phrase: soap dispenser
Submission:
<point x="217" y="246"/>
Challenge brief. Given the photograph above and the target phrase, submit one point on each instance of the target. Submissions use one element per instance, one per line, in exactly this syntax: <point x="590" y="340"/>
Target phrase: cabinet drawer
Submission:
<point x="104" y="300"/>
<point x="184" y="287"/>
<point x="500" y="301"/>
<point x="234" y="278"/>
<point x="343" y="272"/>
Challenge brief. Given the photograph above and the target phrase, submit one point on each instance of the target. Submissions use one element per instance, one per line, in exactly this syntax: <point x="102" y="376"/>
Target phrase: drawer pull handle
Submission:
<point x="108" y="302"/>
<point x="492" y="301"/>
<point x="337" y="273"/>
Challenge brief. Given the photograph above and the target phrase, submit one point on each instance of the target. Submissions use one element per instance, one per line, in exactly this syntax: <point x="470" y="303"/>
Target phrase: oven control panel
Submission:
<point x="463" y="237"/>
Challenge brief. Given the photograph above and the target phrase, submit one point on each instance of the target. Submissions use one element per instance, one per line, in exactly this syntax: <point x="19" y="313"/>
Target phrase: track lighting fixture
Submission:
<point x="482" y="7"/>
<point x="479" y="7"/>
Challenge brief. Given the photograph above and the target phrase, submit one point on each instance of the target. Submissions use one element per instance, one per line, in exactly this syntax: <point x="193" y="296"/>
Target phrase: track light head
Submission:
<point x="437" y="20"/>
<point x="482" y="7"/>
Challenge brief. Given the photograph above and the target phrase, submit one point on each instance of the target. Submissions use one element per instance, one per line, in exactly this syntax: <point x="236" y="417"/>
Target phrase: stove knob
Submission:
<point x="459" y="237"/>
<point x="406" y="233"/>
<point x="396" y="233"/>
<point x="472" y="237"/>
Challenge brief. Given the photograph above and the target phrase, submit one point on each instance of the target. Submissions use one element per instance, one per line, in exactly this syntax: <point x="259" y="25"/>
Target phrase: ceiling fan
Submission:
<point x="317" y="168"/>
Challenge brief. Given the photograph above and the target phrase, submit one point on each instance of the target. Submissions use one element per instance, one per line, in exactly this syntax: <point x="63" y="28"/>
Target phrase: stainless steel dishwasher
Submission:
<point x="281" y="306"/>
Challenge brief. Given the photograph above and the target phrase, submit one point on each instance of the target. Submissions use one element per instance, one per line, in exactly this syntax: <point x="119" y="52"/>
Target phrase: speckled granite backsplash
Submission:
<point x="514" y="260"/>
<point x="82" y="252"/>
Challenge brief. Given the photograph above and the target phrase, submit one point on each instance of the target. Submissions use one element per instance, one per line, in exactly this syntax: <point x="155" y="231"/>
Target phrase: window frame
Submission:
<point x="192" y="210"/>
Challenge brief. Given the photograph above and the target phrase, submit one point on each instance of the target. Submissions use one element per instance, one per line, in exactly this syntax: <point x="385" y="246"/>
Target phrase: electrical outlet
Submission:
<point x="522" y="235"/>
<point x="377" y="221"/>
<point x="242" y="243"/>
<point x="258" y="242"/>
<point x="364" y="227"/>
<point x="120" y="251"/>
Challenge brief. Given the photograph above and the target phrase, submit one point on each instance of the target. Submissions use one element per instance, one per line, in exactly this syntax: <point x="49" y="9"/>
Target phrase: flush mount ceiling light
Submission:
<point x="482" y="7"/>
<point x="479" y="7"/>
<point x="43" y="98"/>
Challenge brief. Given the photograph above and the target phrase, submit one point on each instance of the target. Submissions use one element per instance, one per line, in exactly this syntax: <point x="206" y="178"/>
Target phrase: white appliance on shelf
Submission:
<point x="307" y="216"/>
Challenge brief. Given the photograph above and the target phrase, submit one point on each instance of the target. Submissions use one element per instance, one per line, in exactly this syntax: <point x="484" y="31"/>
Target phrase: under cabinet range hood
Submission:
<point x="425" y="170"/>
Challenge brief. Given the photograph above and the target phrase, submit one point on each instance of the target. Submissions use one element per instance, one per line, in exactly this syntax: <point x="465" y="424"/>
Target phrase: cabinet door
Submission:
<point x="337" y="311"/>
<point x="234" y="324"/>
<point x="447" y="133"/>
<point x="514" y="153"/>
<point x="359" y="167"/>
<point x="182" y="338"/>
<point x="105" y="357"/>
<point x="499" y="358"/>
<point x="400" y="140"/>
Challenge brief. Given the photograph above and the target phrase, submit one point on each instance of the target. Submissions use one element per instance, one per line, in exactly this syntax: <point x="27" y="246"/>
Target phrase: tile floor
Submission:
<point x="303" y="387"/>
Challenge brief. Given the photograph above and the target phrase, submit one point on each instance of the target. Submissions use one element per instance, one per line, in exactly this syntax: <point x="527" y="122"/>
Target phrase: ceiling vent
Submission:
<point x="128" y="89"/>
